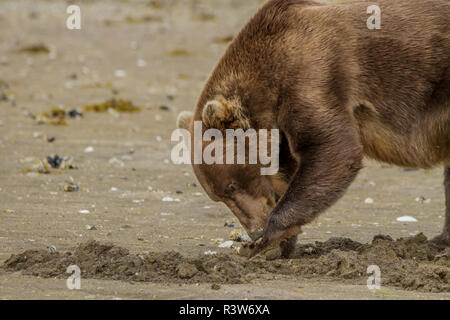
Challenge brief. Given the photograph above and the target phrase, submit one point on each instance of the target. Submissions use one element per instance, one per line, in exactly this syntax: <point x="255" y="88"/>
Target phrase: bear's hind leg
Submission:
<point x="444" y="238"/>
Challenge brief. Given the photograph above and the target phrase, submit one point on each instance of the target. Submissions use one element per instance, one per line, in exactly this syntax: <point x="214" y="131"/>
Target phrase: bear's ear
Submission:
<point x="225" y="114"/>
<point x="184" y="120"/>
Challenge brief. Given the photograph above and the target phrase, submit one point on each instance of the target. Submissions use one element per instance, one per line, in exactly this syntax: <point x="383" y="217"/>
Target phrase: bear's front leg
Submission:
<point x="330" y="161"/>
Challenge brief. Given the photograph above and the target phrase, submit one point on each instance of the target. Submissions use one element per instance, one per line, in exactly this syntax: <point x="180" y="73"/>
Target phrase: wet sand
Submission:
<point x="154" y="56"/>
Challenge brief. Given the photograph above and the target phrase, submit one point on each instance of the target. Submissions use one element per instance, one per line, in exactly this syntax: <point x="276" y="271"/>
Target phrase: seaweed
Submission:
<point x="118" y="105"/>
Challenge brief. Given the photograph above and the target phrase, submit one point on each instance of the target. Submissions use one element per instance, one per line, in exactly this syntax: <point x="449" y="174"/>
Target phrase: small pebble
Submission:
<point x="89" y="149"/>
<point x="169" y="199"/>
<point x="116" y="162"/>
<point x="407" y="169"/>
<point x="226" y="244"/>
<point x="423" y="200"/>
<point x="165" y="214"/>
<point x="239" y="236"/>
<point x="368" y="201"/>
<point x="74" y="113"/>
<point x="71" y="188"/>
<point x="141" y="63"/>
<point x="68" y="85"/>
<point x="3" y="97"/>
<point x="165" y="108"/>
<point x="215" y="286"/>
<point x="228" y="224"/>
<point x="406" y="219"/>
<point x="120" y="73"/>
<point x="133" y="45"/>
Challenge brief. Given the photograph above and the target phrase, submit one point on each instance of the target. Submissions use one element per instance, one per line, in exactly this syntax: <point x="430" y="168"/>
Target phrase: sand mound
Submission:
<point x="410" y="263"/>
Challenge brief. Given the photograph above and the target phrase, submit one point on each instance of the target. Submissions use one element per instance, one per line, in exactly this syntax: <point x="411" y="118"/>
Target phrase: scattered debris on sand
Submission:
<point x="36" y="48"/>
<point x="165" y="108"/>
<point x="239" y="236"/>
<point x="409" y="263"/>
<point x="177" y="53"/>
<point x="57" y="162"/>
<point x="223" y="40"/>
<point x="3" y="95"/>
<point x="156" y="4"/>
<point x="71" y="187"/>
<point x="215" y="286"/>
<point x="4" y="85"/>
<point x="118" y="105"/>
<point x="143" y="19"/>
<point x="406" y="219"/>
<point x="58" y="116"/>
<point x="205" y="16"/>
<point x="147" y="18"/>
<point x="48" y="164"/>
<point x="74" y="113"/>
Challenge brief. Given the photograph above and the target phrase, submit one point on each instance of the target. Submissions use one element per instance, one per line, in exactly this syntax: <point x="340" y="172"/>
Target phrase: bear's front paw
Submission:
<point x="274" y="235"/>
<point x="244" y="250"/>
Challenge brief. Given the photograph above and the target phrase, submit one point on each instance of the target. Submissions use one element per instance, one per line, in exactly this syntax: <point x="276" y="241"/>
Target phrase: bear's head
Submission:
<point x="241" y="186"/>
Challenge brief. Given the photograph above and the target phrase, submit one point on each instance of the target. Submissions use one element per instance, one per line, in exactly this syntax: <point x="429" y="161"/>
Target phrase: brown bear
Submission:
<point x="337" y="90"/>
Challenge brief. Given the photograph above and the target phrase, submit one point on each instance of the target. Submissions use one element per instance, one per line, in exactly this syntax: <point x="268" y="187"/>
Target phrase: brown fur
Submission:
<point x="337" y="91"/>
